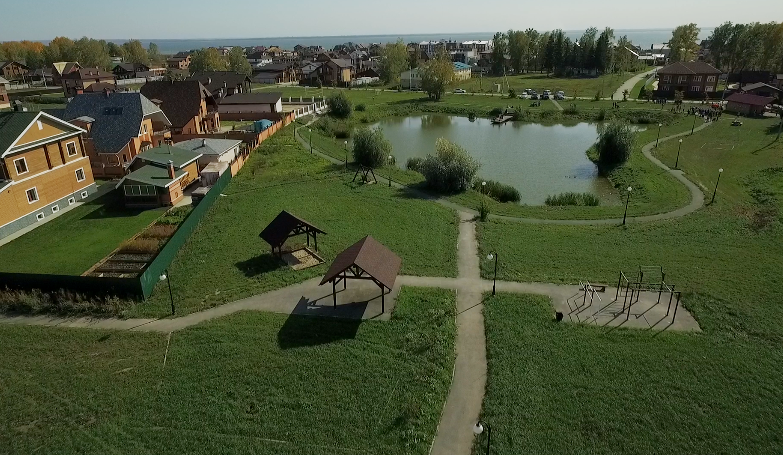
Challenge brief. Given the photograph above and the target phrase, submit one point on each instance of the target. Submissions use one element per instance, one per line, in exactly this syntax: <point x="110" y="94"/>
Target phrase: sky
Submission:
<point x="189" y="19"/>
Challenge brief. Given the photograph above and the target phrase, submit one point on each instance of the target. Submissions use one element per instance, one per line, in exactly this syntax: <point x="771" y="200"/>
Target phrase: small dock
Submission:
<point x="501" y="119"/>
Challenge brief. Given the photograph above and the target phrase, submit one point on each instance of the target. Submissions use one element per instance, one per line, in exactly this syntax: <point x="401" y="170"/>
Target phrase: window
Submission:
<point x="71" y="147"/>
<point x="695" y="88"/>
<point x="124" y="159"/>
<point x="80" y="175"/>
<point x="71" y="200"/>
<point x="710" y="78"/>
<point x="696" y="78"/>
<point x="40" y="216"/>
<point x="709" y="88"/>
<point x="667" y="78"/>
<point x="32" y="195"/>
<point x="40" y="125"/>
<point x="666" y="88"/>
<point x="682" y="79"/>
<point x="144" y="127"/>
<point x="55" y="208"/>
<point x="84" y="195"/>
<point x="139" y="190"/>
<point x="21" y="166"/>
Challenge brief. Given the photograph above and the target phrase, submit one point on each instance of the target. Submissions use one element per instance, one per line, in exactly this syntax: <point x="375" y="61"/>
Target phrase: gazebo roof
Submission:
<point x="279" y="229"/>
<point x="372" y="257"/>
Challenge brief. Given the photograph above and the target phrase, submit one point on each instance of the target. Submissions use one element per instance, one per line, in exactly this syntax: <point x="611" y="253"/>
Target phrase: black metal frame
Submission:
<point x="365" y="172"/>
<point x="357" y="273"/>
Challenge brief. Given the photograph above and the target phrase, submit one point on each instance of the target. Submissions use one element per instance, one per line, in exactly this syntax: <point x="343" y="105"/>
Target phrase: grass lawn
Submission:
<point x="225" y="260"/>
<point x="244" y="384"/>
<point x="567" y="389"/>
<point x="587" y="86"/>
<point x="76" y="240"/>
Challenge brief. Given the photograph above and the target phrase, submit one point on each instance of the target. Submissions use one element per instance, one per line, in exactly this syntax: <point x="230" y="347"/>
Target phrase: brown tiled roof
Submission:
<point x="253" y="98"/>
<point x="748" y="98"/>
<point x="181" y="100"/>
<point x="278" y="230"/>
<point x="685" y="68"/>
<point x="750" y="87"/>
<point x="88" y="73"/>
<point x="371" y="256"/>
<point x="214" y="80"/>
<point x="101" y="86"/>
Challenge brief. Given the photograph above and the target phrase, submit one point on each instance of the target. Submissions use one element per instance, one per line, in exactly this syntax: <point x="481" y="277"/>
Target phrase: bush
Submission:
<point x="62" y="302"/>
<point x="512" y="93"/>
<point x="370" y="148"/>
<point x="176" y="215"/>
<point x="339" y="105"/>
<point x="497" y="191"/>
<point x="597" y="96"/>
<point x="495" y="112"/>
<point x="361" y="108"/>
<point x="601" y="115"/>
<point x="615" y="143"/>
<point x="578" y="199"/>
<point x="483" y="209"/>
<point x="414" y="164"/>
<point x="451" y="169"/>
<point x="140" y="245"/>
<point x="160" y="231"/>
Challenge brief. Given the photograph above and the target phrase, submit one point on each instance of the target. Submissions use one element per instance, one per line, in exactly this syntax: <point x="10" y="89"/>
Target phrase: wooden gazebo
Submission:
<point x="367" y="259"/>
<point x="285" y="226"/>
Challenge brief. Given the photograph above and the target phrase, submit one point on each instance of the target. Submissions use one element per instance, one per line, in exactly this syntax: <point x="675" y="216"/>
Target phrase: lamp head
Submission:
<point x="660" y="125"/>
<point x="163" y="277"/>
<point x="478" y="428"/>
<point x="483" y="183"/>
<point x="630" y="189"/>
<point x="720" y="170"/>
<point x="490" y="256"/>
<point x="680" y="141"/>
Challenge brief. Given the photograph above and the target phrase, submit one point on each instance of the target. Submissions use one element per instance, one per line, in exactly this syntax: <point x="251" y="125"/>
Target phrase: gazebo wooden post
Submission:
<point x="334" y="293"/>
<point x="315" y="239"/>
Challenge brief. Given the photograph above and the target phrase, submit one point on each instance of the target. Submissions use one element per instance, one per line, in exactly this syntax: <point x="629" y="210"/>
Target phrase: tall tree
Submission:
<point x="135" y="53"/>
<point x="437" y="74"/>
<point x="518" y="45"/>
<point x="683" y="43"/>
<point x="115" y="50"/>
<point x="237" y="62"/>
<point x="92" y="53"/>
<point x="60" y="49"/>
<point x="154" y="54"/>
<point x="498" y="56"/>
<point x="586" y="57"/>
<point x="208" y="59"/>
<point x="603" y="51"/>
<point x="394" y="60"/>
<point x="531" y="51"/>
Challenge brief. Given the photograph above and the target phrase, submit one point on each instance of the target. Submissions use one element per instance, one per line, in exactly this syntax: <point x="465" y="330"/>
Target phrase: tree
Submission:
<point x="208" y="59"/>
<point x="154" y="54"/>
<point x="437" y="74"/>
<point x="394" y="60"/>
<point x="370" y="148"/>
<point x="518" y="45"/>
<point x="116" y="50"/>
<point x="615" y="143"/>
<point x="586" y="59"/>
<point x="683" y="43"/>
<point x="603" y="54"/>
<point x="451" y="169"/>
<point x="498" y="56"/>
<point x="237" y="62"/>
<point x="339" y="105"/>
<point x="60" y="49"/>
<point x="135" y="52"/>
<point x="531" y="51"/>
<point x="92" y="53"/>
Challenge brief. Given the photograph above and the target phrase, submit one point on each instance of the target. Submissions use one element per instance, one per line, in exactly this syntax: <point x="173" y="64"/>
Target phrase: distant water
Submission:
<point x="643" y="38"/>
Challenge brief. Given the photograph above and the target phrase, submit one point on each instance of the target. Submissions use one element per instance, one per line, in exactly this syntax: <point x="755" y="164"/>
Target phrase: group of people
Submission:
<point x="708" y="114"/>
<point x="615" y="105"/>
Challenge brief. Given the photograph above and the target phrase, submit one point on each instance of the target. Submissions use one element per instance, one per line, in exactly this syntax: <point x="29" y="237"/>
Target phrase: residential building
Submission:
<point x="103" y="87"/>
<point x="691" y="78"/>
<point x="259" y="58"/>
<point x="118" y="126"/>
<point x="59" y="69"/>
<point x="131" y="70"/>
<point x="277" y="74"/>
<point x="336" y="71"/>
<point x="747" y="104"/>
<point x="311" y="73"/>
<point x="704" y="50"/>
<point x="189" y="106"/>
<point x="662" y="49"/>
<point x="43" y="168"/>
<point x="462" y="71"/>
<point x="180" y="61"/>
<point x="778" y="81"/>
<point x="159" y="176"/>
<point x="762" y="89"/>
<point x="412" y="78"/>
<point x="5" y="102"/>
<point x="252" y="106"/>
<point x="14" y="71"/>
<point x="76" y="81"/>
<point x="223" y="83"/>
<point x="5" y="83"/>
<point x="213" y="150"/>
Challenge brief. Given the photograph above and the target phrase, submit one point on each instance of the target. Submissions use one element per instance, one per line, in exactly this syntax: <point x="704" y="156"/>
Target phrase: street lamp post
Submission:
<point x="677" y="163"/>
<point x="346" y="154"/>
<point x="659" y="135"/>
<point x="311" y="140"/>
<point x="478" y="428"/>
<point x="493" y="255"/>
<point x="720" y="171"/>
<point x="627" y="200"/>
<point x="390" y="171"/>
<point x="165" y="276"/>
<point x="483" y="187"/>
<point x="694" y="123"/>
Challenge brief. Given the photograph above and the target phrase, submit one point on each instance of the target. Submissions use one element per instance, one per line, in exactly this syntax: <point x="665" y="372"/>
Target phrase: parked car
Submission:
<point x="559" y="96"/>
<point x="547" y="92"/>
<point x="534" y="96"/>
<point x="544" y="96"/>
<point x="459" y="90"/>
<point x="524" y="96"/>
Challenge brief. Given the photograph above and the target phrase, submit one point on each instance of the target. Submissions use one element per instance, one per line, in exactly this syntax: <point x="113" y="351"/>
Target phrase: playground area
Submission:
<point x="642" y="299"/>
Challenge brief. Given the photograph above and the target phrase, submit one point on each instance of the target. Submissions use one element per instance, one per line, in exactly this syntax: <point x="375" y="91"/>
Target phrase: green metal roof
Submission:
<point x="165" y="153"/>
<point x="152" y="175"/>
<point x="12" y="125"/>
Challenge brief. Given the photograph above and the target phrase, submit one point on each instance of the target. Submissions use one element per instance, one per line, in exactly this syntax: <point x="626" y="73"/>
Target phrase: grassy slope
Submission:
<point x="568" y="389"/>
<point x="248" y="383"/>
<point x="225" y="260"/>
<point x="76" y="240"/>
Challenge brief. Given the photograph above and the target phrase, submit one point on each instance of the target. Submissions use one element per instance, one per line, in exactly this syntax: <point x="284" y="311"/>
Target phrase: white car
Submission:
<point x="547" y="92"/>
<point x="460" y="91"/>
<point x="524" y="96"/>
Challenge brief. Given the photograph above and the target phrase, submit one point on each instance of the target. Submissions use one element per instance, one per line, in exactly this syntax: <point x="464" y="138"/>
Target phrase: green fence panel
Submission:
<point x="151" y="275"/>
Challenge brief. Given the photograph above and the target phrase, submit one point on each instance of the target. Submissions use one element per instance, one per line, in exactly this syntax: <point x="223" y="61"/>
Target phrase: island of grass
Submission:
<point x="248" y="383"/>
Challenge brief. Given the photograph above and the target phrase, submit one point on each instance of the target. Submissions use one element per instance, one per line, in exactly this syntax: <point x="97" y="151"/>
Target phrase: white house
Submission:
<point x="212" y="150"/>
<point x="412" y="78"/>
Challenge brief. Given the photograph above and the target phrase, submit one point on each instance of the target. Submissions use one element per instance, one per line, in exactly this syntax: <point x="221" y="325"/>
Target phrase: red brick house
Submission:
<point x="13" y="71"/>
<point x="75" y="82"/>
<point x="747" y="104"/>
<point x="691" y="78"/>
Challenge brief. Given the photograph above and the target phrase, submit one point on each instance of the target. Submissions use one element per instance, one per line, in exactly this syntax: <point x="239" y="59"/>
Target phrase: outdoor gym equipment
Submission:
<point x="650" y="279"/>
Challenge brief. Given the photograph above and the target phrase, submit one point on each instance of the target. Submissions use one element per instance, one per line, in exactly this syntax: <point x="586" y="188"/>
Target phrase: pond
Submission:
<point x="539" y="160"/>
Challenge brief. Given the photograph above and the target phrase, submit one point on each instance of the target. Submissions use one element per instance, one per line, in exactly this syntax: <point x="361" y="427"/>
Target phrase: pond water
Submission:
<point x="539" y="160"/>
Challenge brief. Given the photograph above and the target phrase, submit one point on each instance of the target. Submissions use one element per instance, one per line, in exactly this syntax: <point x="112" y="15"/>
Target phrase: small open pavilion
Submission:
<point x="285" y="226"/>
<point x="366" y="259"/>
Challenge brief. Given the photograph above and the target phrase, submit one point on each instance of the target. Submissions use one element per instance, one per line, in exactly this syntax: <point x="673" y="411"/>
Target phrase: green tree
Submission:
<point x="394" y="60"/>
<point x="518" y="45"/>
<point x="339" y="105"/>
<point x="603" y="51"/>
<point x="135" y="52"/>
<point x="60" y="49"/>
<point x="154" y="54"/>
<point x="116" y="50"/>
<point x="683" y="43"/>
<point x="437" y="74"/>
<point x="498" y="56"/>
<point x="531" y="51"/>
<point x="208" y="59"/>
<point x="92" y="53"/>
<point x="615" y="143"/>
<point x="451" y="169"/>
<point x="237" y="62"/>
<point x="370" y="148"/>
<point x="586" y="53"/>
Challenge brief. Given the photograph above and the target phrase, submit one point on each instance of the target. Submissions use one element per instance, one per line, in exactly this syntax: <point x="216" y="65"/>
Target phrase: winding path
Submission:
<point x="631" y="83"/>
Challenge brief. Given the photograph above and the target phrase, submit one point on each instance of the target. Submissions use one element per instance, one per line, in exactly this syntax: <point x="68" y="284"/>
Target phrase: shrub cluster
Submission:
<point x="578" y="199"/>
<point x="140" y="246"/>
<point x="62" y="302"/>
<point x="330" y="127"/>
<point x="370" y="148"/>
<point x="175" y="216"/>
<point x="361" y="108"/>
<point x="339" y="105"/>
<point x="615" y="143"/>
<point x="451" y="169"/>
<point x="414" y="164"/>
<point x="497" y="191"/>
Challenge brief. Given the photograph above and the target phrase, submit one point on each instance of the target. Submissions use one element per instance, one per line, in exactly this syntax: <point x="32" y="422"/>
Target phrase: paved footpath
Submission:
<point x="631" y="83"/>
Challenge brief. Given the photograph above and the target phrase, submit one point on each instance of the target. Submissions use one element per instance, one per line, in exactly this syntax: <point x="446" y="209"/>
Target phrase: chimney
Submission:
<point x="203" y="142"/>
<point x="107" y="92"/>
<point x="225" y="84"/>
<point x="209" y="81"/>
<point x="171" y="169"/>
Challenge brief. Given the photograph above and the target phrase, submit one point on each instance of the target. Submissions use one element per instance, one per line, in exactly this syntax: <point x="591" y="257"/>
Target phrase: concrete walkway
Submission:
<point x="557" y="105"/>
<point x="631" y="83"/>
